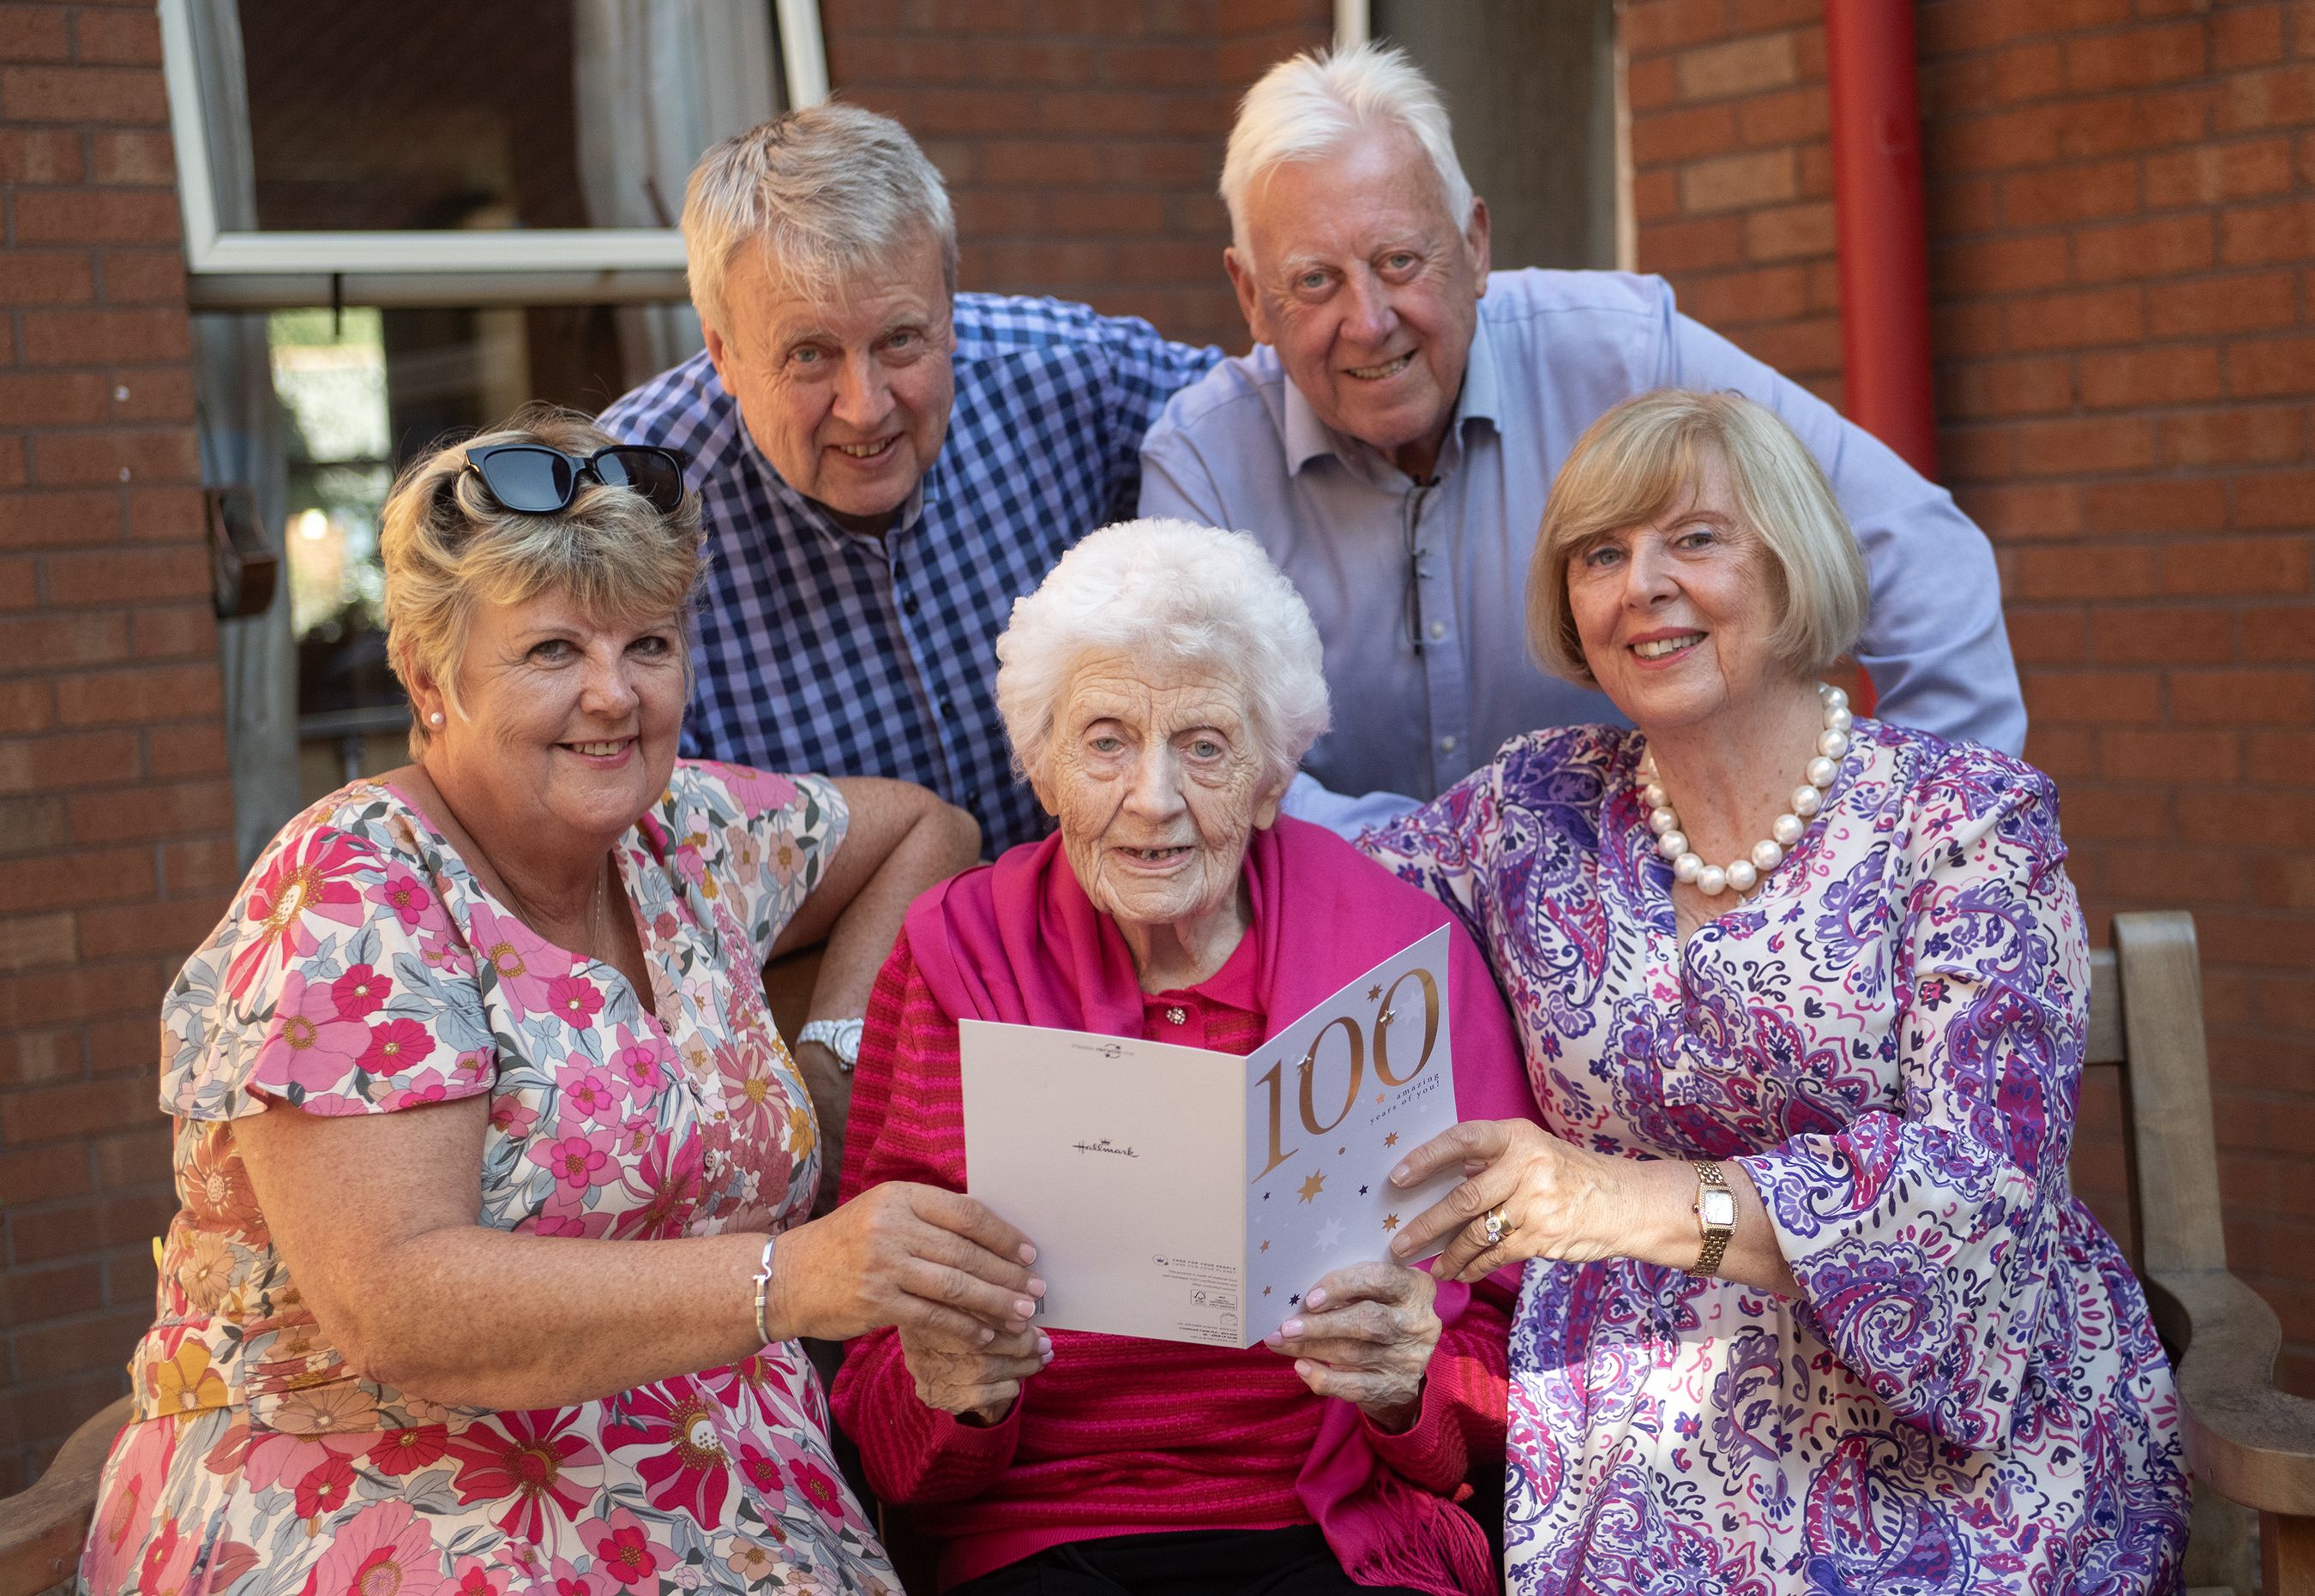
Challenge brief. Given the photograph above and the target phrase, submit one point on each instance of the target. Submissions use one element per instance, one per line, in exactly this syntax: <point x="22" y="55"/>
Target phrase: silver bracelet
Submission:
<point x="764" y="1291"/>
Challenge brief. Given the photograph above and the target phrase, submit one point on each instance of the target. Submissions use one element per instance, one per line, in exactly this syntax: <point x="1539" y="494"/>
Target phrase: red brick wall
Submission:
<point x="1081" y="139"/>
<point x="2122" y="217"/>
<point x="115" y="811"/>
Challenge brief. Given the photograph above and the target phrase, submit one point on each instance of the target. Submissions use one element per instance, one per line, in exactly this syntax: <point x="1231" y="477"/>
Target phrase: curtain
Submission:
<point x="658" y="82"/>
<point x="242" y="442"/>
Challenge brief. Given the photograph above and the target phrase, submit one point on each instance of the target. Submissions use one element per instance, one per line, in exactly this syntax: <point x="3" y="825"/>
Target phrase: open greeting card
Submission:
<point x="1188" y="1195"/>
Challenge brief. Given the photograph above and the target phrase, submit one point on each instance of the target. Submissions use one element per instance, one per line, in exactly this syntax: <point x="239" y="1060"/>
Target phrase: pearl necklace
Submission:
<point x="1741" y="875"/>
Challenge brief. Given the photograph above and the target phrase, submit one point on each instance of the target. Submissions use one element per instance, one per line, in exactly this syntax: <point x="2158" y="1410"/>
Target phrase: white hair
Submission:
<point x="1174" y="591"/>
<point x="1307" y="106"/>
<point x="829" y="192"/>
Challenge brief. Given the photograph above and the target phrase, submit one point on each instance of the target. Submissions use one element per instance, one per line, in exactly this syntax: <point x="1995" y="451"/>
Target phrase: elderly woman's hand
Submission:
<point x="917" y="1257"/>
<point x="1558" y="1200"/>
<point x="976" y="1381"/>
<point x="1365" y="1334"/>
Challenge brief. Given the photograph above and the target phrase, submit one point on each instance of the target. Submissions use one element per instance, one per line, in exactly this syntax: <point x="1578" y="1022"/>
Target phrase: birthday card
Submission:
<point x="1187" y="1196"/>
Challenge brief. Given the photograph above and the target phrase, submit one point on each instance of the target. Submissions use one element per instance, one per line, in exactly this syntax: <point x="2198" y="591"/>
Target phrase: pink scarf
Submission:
<point x="1020" y="943"/>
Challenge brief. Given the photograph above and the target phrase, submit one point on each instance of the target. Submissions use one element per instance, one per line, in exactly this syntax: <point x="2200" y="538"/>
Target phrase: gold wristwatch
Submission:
<point x="1716" y="1216"/>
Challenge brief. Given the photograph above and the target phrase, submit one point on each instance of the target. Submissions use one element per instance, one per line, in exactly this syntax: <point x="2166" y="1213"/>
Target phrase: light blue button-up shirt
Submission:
<point x="1419" y="591"/>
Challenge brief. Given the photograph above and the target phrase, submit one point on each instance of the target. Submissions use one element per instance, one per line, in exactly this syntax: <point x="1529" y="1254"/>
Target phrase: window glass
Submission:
<point x="450" y="115"/>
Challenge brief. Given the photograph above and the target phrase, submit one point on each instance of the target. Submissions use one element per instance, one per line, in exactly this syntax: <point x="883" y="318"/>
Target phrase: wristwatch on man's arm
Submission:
<point x="840" y="1037"/>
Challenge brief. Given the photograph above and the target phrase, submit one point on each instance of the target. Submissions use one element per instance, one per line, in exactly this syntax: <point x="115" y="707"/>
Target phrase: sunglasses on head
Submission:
<point x="535" y="479"/>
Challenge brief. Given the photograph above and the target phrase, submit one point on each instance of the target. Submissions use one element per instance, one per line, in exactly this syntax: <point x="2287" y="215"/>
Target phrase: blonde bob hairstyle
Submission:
<point x="1173" y="591"/>
<point x="447" y="545"/>
<point x="1646" y="456"/>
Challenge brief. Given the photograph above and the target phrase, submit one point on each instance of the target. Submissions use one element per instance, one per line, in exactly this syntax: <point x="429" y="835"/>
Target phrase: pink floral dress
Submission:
<point x="364" y="970"/>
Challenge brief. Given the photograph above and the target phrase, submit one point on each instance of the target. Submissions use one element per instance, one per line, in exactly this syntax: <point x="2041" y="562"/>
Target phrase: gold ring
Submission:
<point x="1496" y="1226"/>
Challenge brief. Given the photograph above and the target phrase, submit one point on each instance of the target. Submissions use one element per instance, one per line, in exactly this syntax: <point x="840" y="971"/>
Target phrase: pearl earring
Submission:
<point x="435" y="719"/>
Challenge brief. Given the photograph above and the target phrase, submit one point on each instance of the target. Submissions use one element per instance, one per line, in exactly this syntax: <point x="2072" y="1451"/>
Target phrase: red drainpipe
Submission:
<point x="1885" y="264"/>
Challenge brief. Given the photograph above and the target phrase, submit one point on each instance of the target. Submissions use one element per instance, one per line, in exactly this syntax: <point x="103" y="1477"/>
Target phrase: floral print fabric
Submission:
<point x="1967" y="1395"/>
<point x="363" y="970"/>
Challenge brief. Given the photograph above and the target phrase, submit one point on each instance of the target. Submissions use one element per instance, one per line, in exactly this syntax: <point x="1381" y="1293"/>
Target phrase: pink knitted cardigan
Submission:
<point x="1120" y="1435"/>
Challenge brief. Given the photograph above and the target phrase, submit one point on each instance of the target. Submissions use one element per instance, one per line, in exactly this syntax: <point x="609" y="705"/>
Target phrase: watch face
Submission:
<point x="1719" y="1209"/>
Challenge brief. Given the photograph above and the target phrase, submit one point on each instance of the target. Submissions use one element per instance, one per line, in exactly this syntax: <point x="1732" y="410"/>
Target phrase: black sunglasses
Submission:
<point x="533" y="479"/>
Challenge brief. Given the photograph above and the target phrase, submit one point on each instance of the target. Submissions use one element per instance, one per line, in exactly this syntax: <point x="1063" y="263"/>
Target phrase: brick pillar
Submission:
<point x="2122" y="213"/>
<point x="1081" y="139"/>
<point x="115" y="810"/>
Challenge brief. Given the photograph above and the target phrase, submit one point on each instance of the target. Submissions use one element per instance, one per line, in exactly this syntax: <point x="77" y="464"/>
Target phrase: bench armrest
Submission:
<point x="2248" y="1441"/>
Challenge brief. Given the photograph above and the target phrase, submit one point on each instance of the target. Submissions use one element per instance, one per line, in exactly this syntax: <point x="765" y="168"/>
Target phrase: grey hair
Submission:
<point x="1307" y="106"/>
<point x="1169" y="589"/>
<point x="827" y="193"/>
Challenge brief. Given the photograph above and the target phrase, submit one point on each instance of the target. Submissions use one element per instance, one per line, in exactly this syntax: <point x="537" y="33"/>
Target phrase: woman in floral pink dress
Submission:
<point x="484" y="1133"/>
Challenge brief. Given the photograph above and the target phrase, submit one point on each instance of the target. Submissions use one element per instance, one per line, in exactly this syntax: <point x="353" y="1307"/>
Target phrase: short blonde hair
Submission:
<point x="1307" y="106"/>
<point x="829" y="193"/>
<point x="446" y="544"/>
<point x="1642" y="459"/>
<point x="1172" y="590"/>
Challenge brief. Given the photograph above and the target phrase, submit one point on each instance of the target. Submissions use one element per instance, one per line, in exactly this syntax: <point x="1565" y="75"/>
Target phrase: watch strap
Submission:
<point x="840" y="1037"/>
<point x="1709" y="1178"/>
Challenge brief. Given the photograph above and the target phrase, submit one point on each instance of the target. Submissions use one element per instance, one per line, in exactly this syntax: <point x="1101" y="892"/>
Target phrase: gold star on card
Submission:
<point x="1265" y="1247"/>
<point x="1392" y="1140"/>
<point x="1265" y="1291"/>
<point x="1314" y="1185"/>
<point x="1390" y="1221"/>
<point x="1374" y="994"/>
<point x="1378" y="1097"/>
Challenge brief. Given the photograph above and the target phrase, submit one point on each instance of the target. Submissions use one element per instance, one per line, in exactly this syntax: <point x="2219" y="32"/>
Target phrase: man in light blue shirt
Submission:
<point x="1393" y="435"/>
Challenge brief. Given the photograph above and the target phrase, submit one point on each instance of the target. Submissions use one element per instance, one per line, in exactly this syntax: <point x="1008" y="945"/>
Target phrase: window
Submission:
<point x="441" y="151"/>
<point x="402" y="222"/>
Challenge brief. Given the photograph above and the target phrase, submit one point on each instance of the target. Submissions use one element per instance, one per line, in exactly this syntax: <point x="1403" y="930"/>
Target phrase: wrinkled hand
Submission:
<point x="974" y="1379"/>
<point x="917" y="1257"/>
<point x="1559" y="1200"/>
<point x="1365" y="1334"/>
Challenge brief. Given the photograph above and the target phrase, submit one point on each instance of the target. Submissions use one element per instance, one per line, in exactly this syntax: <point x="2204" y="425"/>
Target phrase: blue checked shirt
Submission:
<point x="822" y="651"/>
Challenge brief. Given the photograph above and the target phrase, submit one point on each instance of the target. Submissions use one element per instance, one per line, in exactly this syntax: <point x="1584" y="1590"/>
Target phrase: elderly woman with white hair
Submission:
<point x="1803" y="1000"/>
<point x="1159" y="690"/>
<point x="496" y="1175"/>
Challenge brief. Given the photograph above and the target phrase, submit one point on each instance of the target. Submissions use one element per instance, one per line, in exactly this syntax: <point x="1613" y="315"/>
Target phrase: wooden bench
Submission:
<point x="2248" y="1444"/>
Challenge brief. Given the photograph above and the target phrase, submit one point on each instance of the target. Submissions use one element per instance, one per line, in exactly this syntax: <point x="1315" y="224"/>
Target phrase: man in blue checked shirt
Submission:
<point x="1392" y="437"/>
<point x="884" y="464"/>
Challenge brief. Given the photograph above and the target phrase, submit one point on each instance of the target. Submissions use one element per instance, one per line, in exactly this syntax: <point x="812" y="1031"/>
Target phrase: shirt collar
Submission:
<point x="1307" y="438"/>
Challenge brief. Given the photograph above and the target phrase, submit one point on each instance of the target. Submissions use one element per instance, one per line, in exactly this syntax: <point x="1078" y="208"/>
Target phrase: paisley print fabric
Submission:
<point x="363" y="968"/>
<point x="1967" y="1397"/>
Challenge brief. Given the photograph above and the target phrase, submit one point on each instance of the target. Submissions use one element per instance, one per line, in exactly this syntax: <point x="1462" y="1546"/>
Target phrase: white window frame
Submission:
<point x="592" y="265"/>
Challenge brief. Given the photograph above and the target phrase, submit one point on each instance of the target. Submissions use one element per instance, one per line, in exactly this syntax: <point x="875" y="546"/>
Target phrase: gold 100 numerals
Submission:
<point x="1385" y="1016"/>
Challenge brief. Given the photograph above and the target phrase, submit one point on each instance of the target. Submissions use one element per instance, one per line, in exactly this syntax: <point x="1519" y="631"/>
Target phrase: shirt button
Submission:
<point x="909" y="605"/>
<point x="1446" y="745"/>
<point x="1438" y="628"/>
<point x="1175" y="1017"/>
<point x="948" y="707"/>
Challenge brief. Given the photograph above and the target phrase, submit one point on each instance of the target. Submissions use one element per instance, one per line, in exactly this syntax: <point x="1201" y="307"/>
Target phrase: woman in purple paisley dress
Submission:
<point x="1811" y="1306"/>
<point x="483" y="1131"/>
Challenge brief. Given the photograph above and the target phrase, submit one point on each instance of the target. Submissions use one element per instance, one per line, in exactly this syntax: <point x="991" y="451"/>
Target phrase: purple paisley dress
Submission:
<point x="1967" y="1397"/>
